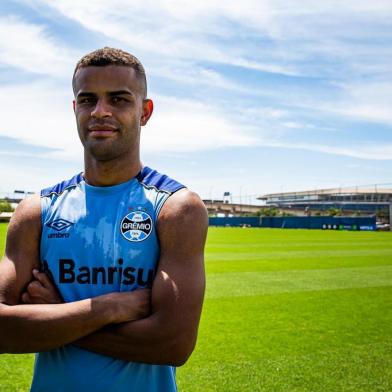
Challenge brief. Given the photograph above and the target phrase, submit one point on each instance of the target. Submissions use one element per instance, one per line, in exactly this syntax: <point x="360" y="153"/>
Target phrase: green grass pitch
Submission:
<point x="285" y="310"/>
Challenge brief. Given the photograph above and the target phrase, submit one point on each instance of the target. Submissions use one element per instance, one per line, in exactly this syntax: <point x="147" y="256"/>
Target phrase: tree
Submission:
<point x="334" y="211"/>
<point x="268" y="211"/>
<point x="5" y="206"/>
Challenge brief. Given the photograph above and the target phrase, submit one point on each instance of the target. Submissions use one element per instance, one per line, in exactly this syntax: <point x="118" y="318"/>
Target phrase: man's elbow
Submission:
<point x="181" y="360"/>
<point x="180" y="350"/>
<point x="178" y="359"/>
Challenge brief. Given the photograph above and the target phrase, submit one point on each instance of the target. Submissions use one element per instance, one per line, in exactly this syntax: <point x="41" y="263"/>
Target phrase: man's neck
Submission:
<point x="107" y="173"/>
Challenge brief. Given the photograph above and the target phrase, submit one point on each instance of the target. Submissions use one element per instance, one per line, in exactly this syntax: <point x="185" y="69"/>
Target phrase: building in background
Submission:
<point x="360" y="201"/>
<point x="221" y="208"/>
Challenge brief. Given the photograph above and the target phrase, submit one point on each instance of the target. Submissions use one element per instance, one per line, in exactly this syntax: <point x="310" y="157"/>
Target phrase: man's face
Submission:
<point x="110" y="109"/>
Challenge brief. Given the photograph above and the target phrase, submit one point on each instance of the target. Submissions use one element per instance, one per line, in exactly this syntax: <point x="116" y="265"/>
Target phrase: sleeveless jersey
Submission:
<point x="97" y="240"/>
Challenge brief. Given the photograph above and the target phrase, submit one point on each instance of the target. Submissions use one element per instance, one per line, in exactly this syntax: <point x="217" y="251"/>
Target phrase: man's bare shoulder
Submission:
<point x="182" y="225"/>
<point x="28" y="211"/>
<point x="184" y="206"/>
<point x="25" y="222"/>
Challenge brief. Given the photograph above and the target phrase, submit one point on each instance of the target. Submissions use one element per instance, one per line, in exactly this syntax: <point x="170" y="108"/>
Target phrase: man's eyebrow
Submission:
<point x="111" y="93"/>
<point x="121" y="92"/>
<point x="85" y="94"/>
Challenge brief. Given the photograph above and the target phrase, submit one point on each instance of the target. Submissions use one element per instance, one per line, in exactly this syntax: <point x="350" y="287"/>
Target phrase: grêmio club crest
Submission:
<point x="136" y="226"/>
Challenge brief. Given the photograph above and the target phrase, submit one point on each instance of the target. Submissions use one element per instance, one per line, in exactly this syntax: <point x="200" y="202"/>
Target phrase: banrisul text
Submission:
<point x="69" y="273"/>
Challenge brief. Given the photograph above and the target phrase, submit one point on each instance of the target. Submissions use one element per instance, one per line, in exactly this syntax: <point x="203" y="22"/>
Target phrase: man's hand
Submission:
<point x="128" y="306"/>
<point x="41" y="290"/>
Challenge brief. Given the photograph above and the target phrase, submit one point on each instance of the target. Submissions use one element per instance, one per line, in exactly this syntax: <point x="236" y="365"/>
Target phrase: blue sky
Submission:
<point x="251" y="97"/>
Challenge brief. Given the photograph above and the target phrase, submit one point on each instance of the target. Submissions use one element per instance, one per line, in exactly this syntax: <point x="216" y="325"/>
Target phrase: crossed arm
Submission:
<point x="114" y="324"/>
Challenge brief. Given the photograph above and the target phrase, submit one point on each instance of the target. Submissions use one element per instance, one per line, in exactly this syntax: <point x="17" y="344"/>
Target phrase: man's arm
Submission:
<point x="31" y="328"/>
<point x="168" y="335"/>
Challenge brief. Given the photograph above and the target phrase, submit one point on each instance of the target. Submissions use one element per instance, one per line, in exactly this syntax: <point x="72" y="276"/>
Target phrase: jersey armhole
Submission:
<point x="161" y="199"/>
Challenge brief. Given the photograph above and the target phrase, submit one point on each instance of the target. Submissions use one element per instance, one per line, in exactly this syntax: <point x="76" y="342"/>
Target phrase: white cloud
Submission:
<point x="183" y="25"/>
<point x="363" y="151"/>
<point x="29" y="47"/>
<point x="195" y="76"/>
<point x="38" y="113"/>
<point x="185" y="125"/>
<point x="358" y="100"/>
<point x="177" y="29"/>
<point x="368" y="101"/>
<point x="339" y="41"/>
<point x="179" y="39"/>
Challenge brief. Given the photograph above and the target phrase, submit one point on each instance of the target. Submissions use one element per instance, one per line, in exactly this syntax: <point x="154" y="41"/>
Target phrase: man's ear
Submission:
<point x="148" y="107"/>
<point x="74" y="105"/>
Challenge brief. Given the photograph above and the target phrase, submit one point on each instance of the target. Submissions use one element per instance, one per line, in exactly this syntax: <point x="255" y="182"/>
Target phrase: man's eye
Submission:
<point x="118" y="99"/>
<point x="84" y="100"/>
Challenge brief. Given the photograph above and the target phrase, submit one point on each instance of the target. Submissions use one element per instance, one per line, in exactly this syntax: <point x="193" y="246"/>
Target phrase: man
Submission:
<point x="105" y="238"/>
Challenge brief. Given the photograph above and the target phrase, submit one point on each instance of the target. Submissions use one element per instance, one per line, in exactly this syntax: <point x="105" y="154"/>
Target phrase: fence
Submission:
<point x="299" y="222"/>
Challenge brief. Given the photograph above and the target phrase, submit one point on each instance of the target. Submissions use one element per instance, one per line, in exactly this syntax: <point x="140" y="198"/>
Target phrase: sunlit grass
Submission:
<point x="285" y="310"/>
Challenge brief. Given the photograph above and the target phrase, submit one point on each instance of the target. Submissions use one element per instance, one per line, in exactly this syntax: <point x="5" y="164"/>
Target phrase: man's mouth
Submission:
<point x="101" y="130"/>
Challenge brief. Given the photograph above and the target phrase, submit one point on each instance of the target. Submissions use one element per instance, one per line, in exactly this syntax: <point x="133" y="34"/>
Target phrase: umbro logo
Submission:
<point x="59" y="224"/>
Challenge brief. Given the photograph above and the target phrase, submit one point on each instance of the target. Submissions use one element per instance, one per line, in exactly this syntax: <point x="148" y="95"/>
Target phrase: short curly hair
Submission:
<point x="112" y="56"/>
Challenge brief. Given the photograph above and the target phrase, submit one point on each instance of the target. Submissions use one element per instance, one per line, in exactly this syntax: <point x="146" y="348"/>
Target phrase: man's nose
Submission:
<point x="101" y="110"/>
